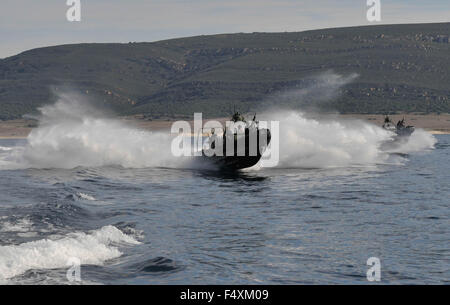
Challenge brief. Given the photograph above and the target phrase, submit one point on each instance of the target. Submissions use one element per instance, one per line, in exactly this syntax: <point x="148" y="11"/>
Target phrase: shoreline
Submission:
<point x="438" y="132"/>
<point x="436" y="124"/>
<point x="13" y="137"/>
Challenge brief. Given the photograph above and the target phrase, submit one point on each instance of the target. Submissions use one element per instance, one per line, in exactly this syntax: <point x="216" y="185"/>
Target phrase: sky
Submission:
<point x="28" y="24"/>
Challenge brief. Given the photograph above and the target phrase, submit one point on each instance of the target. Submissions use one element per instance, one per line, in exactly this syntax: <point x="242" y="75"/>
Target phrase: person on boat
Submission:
<point x="237" y="117"/>
<point x="213" y="138"/>
<point x="253" y="124"/>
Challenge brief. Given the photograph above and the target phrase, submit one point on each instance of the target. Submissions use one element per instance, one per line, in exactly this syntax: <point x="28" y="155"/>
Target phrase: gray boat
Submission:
<point x="400" y="129"/>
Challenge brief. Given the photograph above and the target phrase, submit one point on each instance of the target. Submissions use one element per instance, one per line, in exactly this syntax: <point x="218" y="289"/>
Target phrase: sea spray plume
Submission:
<point x="419" y="141"/>
<point x="72" y="133"/>
<point x="320" y="88"/>
<point x="312" y="143"/>
<point x="71" y="107"/>
<point x="322" y="143"/>
<point x="330" y="141"/>
<point x="309" y="94"/>
<point x="309" y="142"/>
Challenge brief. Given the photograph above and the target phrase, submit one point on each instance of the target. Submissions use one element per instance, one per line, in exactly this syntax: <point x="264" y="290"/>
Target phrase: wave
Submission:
<point x="84" y="196"/>
<point x="92" y="248"/>
<point x="21" y="225"/>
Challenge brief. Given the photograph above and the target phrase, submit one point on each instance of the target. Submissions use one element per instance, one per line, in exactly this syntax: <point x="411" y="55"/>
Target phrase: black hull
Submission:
<point x="243" y="159"/>
<point x="234" y="163"/>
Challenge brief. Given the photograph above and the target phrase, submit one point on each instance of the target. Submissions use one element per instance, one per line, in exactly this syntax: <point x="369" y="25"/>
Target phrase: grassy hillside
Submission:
<point x="401" y="68"/>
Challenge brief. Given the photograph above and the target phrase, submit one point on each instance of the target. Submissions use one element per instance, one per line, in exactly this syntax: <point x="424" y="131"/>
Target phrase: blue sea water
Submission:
<point x="184" y="226"/>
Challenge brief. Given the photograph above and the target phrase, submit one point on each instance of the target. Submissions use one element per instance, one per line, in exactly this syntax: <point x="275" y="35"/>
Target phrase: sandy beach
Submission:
<point x="433" y="123"/>
<point x="16" y="129"/>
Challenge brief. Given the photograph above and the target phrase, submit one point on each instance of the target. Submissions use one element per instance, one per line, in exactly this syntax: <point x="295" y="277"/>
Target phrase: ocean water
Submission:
<point x="108" y="195"/>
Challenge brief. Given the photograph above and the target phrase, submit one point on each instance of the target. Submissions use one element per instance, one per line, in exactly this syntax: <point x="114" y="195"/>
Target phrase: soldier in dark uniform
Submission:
<point x="213" y="139"/>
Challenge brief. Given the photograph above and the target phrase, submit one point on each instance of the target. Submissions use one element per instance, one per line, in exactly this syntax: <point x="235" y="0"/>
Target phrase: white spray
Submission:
<point x="334" y="142"/>
<point x="72" y="133"/>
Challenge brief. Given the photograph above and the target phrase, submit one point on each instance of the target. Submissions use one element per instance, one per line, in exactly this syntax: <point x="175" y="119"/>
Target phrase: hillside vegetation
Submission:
<point x="401" y="68"/>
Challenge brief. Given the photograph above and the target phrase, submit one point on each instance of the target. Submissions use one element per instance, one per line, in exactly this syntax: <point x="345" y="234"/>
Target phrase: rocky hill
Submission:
<point x="400" y="68"/>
